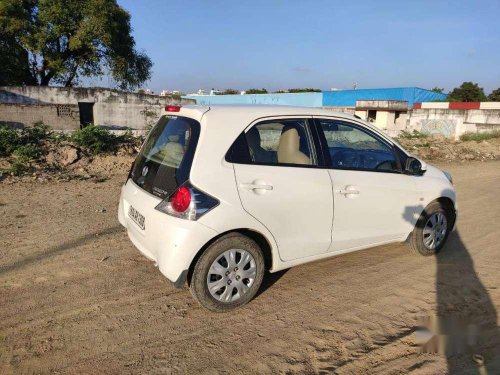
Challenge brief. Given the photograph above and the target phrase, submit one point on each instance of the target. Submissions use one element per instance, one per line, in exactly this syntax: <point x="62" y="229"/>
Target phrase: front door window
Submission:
<point x="351" y="147"/>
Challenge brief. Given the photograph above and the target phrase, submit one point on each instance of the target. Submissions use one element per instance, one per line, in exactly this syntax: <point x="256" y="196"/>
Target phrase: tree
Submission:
<point x="467" y="92"/>
<point x="303" y="90"/>
<point x="437" y="89"/>
<point x="14" y="63"/>
<point x="66" y="40"/>
<point x="256" y="91"/>
<point x="494" y="96"/>
<point x="229" y="92"/>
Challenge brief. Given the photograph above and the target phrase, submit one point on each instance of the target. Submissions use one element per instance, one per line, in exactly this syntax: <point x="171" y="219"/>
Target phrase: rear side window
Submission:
<point x="274" y="142"/>
<point x="165" y="159"/>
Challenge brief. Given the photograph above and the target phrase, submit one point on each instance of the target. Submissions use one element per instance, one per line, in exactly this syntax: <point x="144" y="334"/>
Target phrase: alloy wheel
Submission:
<point x="231" y="275"/>
<point x="435" y="230"/>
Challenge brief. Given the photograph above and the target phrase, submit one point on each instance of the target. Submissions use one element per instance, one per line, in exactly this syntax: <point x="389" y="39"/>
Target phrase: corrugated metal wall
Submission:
<point x="347" y="98"/>
<point x="299" y="99"/>
<point x="340" y="98"/>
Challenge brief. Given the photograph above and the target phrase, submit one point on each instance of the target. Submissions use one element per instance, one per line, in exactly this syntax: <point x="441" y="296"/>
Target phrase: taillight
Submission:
<point x="187" y="202"/>
<point x="181" y="199"/>
<point x="172" y="108"/>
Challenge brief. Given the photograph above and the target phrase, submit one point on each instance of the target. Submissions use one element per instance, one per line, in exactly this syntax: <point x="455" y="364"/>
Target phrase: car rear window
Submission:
<point x="165" y="159"/>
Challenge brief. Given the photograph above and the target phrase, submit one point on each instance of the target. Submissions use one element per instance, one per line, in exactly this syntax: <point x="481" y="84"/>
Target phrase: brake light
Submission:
<point x="187" y="202"/>
<point x="172" y="108"/>
<point x="181" y="199"/>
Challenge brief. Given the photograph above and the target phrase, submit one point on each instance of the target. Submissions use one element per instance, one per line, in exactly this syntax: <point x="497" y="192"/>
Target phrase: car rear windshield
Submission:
<point x="165" y="159"/>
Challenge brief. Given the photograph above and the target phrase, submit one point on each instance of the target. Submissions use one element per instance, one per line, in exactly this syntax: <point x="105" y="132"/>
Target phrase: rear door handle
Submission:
<point x="258" y="187"/>
<point x="348" y="190"/>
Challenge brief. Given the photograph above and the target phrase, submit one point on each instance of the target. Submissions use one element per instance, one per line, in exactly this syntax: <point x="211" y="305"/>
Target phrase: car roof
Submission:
<point x="258" y="111"/>
<point x="239" y="116"/>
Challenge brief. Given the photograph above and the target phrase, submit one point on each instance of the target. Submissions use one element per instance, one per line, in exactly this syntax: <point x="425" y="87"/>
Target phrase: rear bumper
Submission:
<point x="170" y="242"/>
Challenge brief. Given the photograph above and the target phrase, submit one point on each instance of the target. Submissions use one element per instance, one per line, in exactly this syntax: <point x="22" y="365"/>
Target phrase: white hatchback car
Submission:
<point x="219" y="195"/>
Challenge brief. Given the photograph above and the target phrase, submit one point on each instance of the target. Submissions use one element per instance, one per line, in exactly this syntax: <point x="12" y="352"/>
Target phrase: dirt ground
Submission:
<point x="77" y="297"/>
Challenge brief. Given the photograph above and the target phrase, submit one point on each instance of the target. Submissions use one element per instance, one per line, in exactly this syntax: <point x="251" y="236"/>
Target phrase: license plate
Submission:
<point x="138" y="218"/>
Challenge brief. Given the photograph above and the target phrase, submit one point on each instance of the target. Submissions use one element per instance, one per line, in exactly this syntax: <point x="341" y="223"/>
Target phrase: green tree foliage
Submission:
<point x="437" y="89"/>
<point x="303" y="90"/>
<point x="14" y="62"/>
<point x="467" y="92"/>
<point x="494" y="96"/>
<point x="229" y="92"/>
<point x="256" y="91"/>
<point x="64" y="40"/>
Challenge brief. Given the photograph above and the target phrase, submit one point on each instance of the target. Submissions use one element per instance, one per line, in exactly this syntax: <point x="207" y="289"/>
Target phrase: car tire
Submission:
<point x="429" y="226"/>
<point x="228" y="273"/>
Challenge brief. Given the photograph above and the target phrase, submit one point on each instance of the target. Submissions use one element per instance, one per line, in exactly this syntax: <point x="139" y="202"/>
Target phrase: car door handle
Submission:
<point x="348" y="190"/>
<point x="254" y="186"/>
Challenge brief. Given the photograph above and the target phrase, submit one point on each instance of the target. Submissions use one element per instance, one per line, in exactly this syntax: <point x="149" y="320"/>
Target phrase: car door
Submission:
<point x="374" y="202"/>
<point x="280" y="184"/>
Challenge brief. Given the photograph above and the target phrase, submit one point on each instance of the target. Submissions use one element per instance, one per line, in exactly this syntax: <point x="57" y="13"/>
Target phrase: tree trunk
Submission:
<point x="71" y="77"/>
<point x="45" y="78"/>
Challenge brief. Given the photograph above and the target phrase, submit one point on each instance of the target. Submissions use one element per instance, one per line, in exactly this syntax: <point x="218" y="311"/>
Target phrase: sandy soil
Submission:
<point x="77" y="297"/>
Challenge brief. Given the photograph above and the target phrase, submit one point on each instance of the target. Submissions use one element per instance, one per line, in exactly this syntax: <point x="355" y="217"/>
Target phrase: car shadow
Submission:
<point x="269" y="280"/>
<point x="465" y="317"/>
<point x="462" y="297"/>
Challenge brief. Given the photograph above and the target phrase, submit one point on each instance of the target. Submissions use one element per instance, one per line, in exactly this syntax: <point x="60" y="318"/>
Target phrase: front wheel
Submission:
<point x="432" y="230"/>
<point x="228" y="274"/>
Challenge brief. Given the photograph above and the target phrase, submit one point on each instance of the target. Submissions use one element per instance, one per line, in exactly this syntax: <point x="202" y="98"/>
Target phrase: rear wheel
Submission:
<point x="432" y="230"/>
<point x="228" y="274"/>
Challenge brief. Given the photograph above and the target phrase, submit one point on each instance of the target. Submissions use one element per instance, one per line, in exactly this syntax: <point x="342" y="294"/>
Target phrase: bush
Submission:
<point x="59" y="137"/>
<point x="17" y="167"/>
<point x="478" y="137"/>
<point x="95" y="139"/>
<point x="412" y="135"/>
<point x="25" y="153"/>
<point x="27" y="140"/>
<point x="35" y="134"/>
<point x="9" y="140"/>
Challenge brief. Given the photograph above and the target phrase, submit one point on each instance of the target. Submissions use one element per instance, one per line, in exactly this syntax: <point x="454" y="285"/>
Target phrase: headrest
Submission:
<point x="289" y="139"/>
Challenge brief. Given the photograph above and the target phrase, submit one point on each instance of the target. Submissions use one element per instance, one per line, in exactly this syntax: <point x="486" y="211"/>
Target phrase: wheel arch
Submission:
<point x="447" y="203"/>
<point x="258" y="237"/>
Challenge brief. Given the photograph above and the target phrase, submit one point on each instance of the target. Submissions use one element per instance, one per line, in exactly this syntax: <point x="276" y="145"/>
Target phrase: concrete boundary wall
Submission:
<point x="111" y="108"/>
<point x="457" y="105"/>
<point x="59" y="117"/>
<point x="453" y="122"/>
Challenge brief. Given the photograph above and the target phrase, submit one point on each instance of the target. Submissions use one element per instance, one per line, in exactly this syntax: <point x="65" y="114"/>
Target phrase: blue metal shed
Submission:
<point x="347" y="98"/>
<point x="339" y="98"/>
<point x="313" y="99"/>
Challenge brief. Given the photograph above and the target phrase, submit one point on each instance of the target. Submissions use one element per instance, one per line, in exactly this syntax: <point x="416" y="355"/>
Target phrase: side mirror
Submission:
<point x="414" y="166"/>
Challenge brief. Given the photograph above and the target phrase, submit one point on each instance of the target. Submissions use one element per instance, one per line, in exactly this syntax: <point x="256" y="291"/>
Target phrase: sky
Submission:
<point x="320" y="44"/>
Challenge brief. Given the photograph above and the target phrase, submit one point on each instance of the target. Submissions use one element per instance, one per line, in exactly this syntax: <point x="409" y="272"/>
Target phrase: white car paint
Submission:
<point x="306" y="216"/>
<point x="298" y="211"/>
<point x="377" y="213"/>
